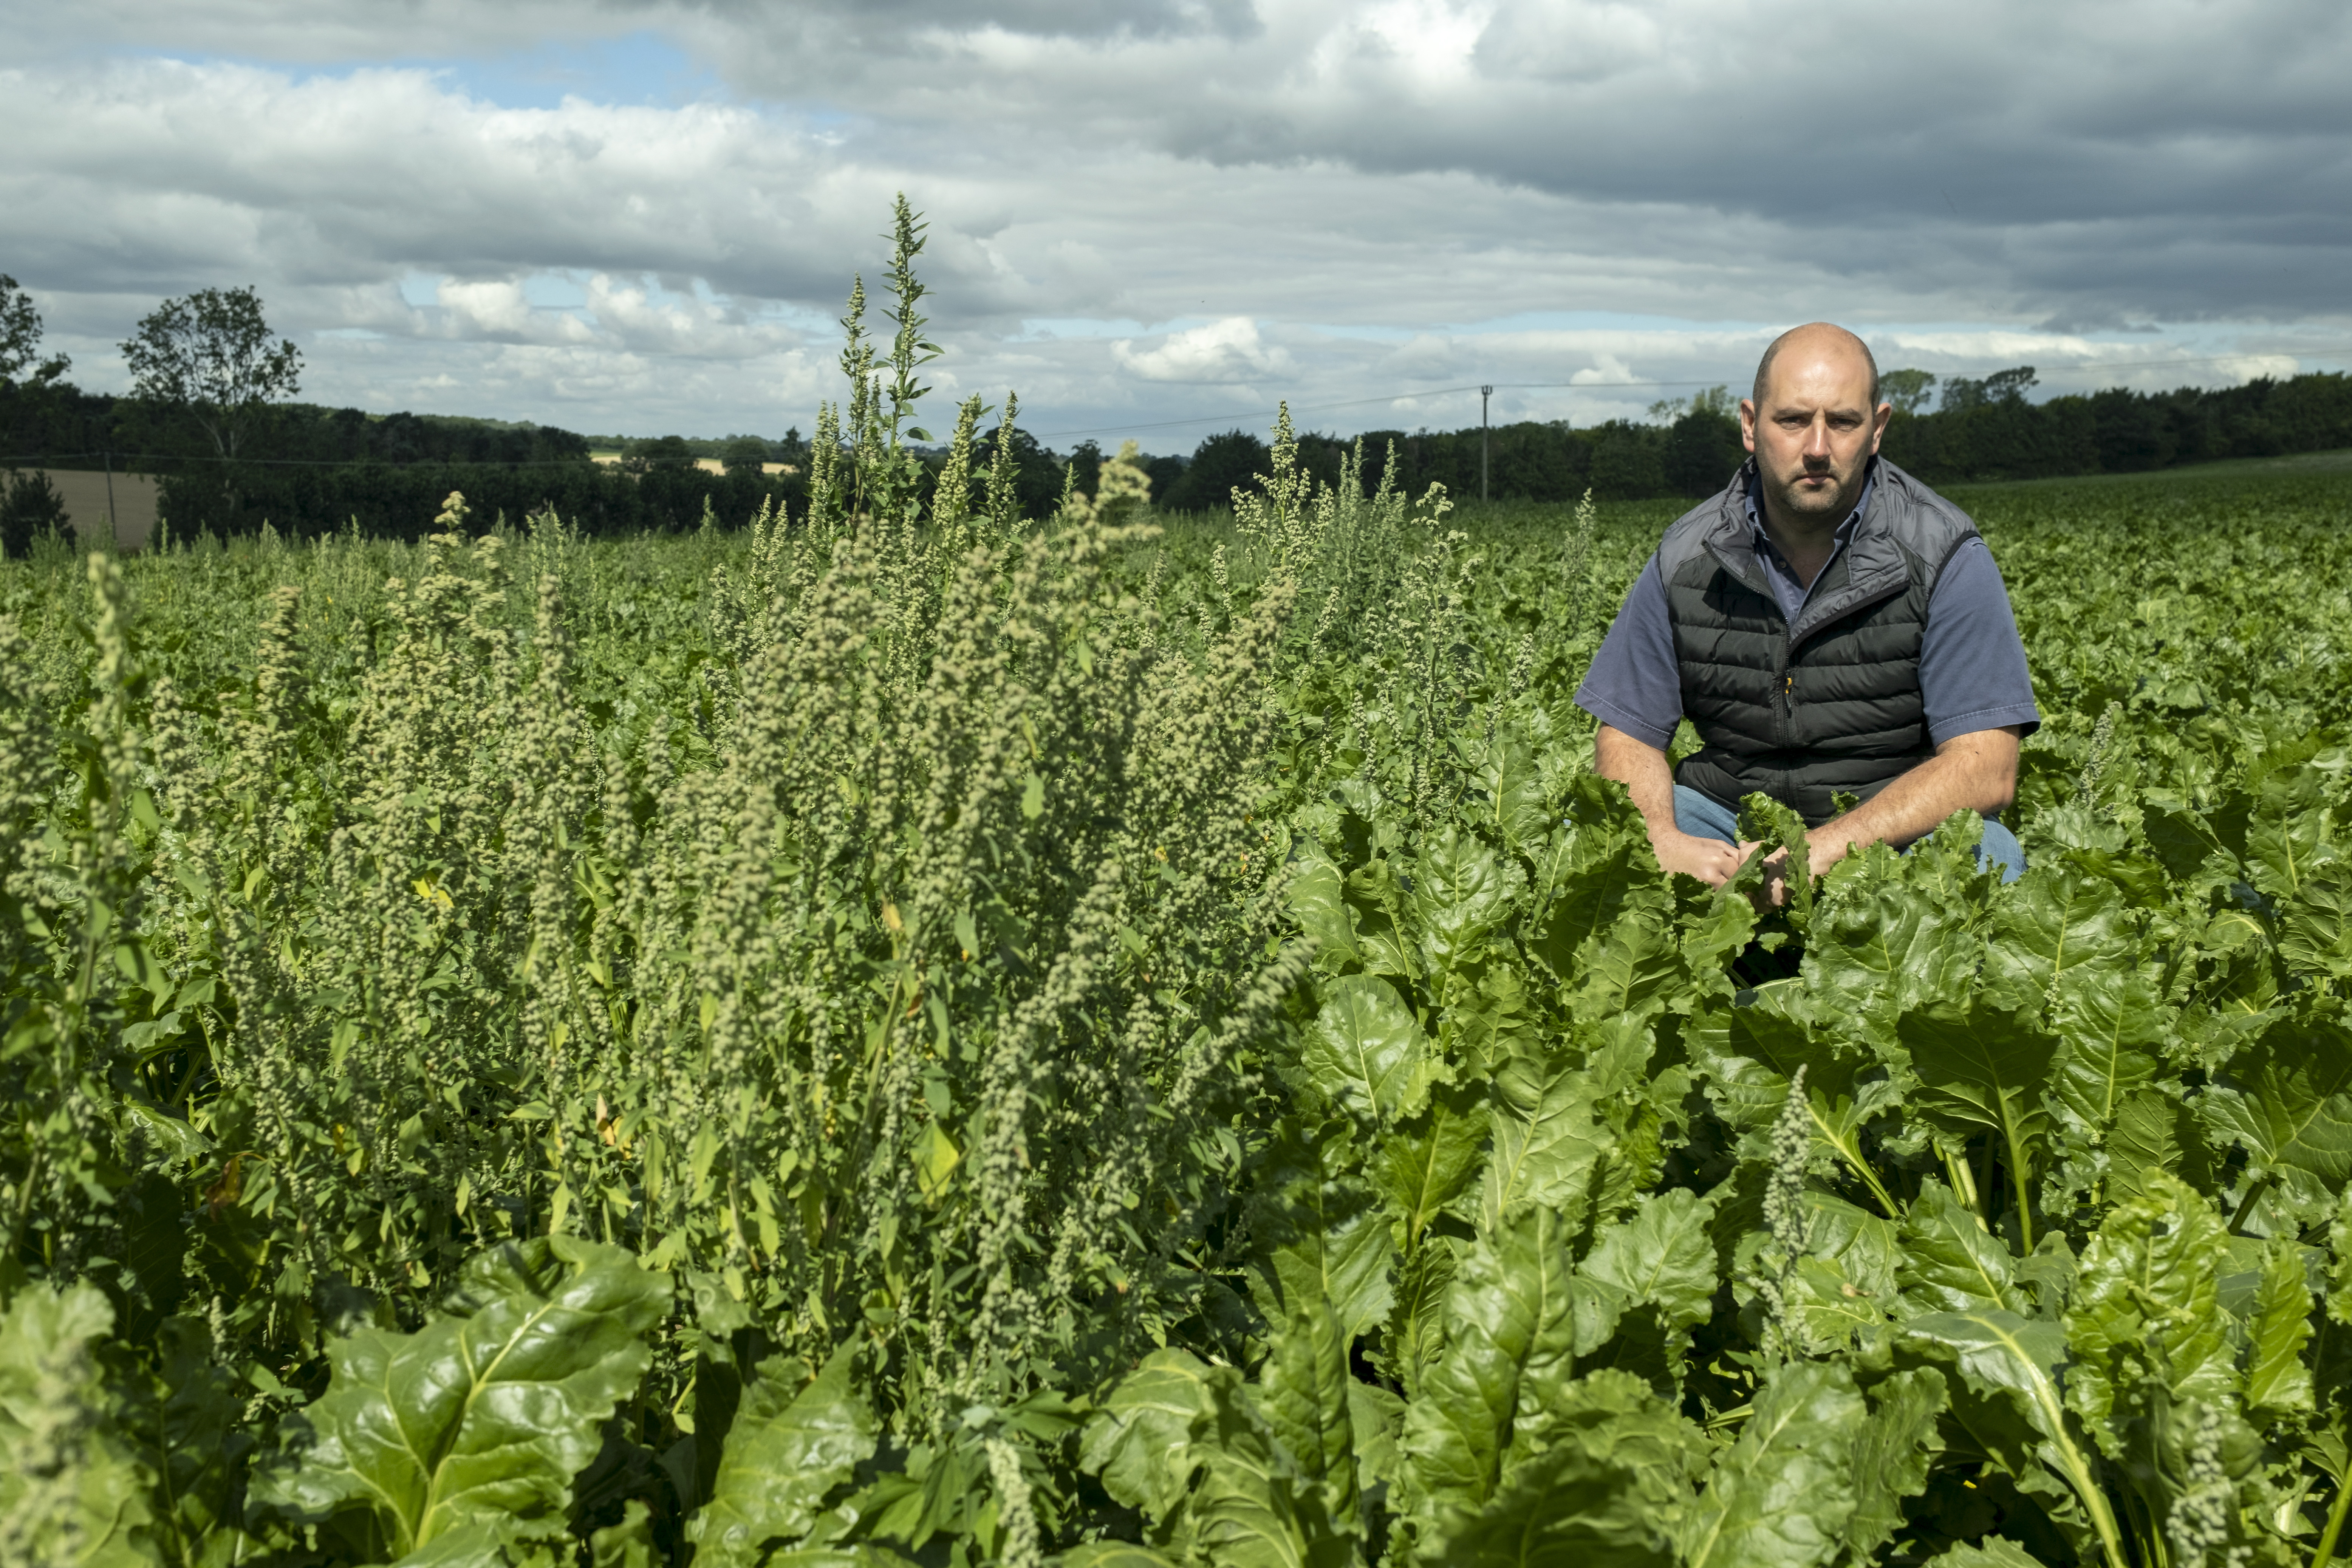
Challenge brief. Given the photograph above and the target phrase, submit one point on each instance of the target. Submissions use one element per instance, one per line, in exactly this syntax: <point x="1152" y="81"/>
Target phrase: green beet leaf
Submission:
<point x="1510" y="1313"/>
<point x="1117" y="1555"/>
<point x="1461" y="891"/>
<point x="1305" y="1399"/>
<point x="1242" y="1515"/>
<point x="2155" y="1133"/>
<point x="1949" y="1262"/>
<point x="1547" y="1140"/>
<point x="185" y="1432"/>
<point x="1414" y="1334"/>
<point x="1749" y="1055"/>
<point x="1365" y="1050"/>
<point x="1879" y="947"/>
<point x="1573" y="1505"/>
<point x="2052" y="932"/>
<point x="1318" y="901"/>
<point x="1512" y="784"/>
<point x="1422" y="1169"/>
<point x="1782" y="1495"/>
<point x="2111" y="1025"/>
<point x="2289" y="1106"/>
<point x="628" y="1545"/>
<point x="2315" y="926"/>
<point x="1892" y="1452"/>
<point x="1766" y="821"/>
<point x="2287" y="837"/>
<point x="482" y="1419"/>
<point x="2012" y="1364"/>
<point x="1139" y="1439"/>
<point x="1609" y="874"/>
<point x="2339" y="1268"/>
<point x="788" y="1447"/>
<point x="2145" y="1319"/>
<point x="2180" y="836"/>
<point x="1376" y="1416"/>
<point x="1992" y="1552"/>
<point x="1662" y="1256"/>
<point x="1632" y="968"/>
<point x="1844" y="1289"/>
<point x="70" y="1490"/>
<point x="1252" y="1507"/>
<point x="2277" y="1380"/>
<point x="1335" y="1248"/>
<point x="1481" y="1025"/>
<point x="1984" y="1067"/>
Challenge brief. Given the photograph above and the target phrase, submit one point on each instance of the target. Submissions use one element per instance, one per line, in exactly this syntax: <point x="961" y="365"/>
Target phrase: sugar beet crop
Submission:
<point x="915" y="1033"/>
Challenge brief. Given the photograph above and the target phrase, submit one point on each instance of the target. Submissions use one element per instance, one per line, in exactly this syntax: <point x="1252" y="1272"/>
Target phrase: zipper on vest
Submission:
<point x="1783" y="696"/>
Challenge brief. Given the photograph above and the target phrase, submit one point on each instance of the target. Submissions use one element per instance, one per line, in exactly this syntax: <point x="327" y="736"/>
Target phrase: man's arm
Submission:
<point x="1642" y="768"/>
<point x="1976" y="772"/>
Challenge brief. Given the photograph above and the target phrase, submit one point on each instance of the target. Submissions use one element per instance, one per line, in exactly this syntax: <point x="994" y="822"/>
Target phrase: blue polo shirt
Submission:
<point x="1972" y="672"/>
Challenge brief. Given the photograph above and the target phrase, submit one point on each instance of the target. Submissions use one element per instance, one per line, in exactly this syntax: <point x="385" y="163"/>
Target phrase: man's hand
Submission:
<point x="1711" y="860"/>
<point x="1642" y="769"/>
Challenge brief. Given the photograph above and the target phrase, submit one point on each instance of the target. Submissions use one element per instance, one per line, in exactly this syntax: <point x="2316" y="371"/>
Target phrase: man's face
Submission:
<point x="1816" y="432"/>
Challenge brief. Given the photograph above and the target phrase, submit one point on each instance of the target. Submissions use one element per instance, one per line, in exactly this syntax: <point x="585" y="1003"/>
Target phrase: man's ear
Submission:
<point x="1748" y="424"/>
<point x="1878" y="426"/>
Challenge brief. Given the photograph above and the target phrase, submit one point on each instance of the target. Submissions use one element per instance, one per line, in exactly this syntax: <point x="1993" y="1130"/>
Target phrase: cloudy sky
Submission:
<point x="1155" y="217"/>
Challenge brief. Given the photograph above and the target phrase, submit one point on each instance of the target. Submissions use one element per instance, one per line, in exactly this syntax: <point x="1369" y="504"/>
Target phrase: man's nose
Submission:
<point x="1816" y="442"/>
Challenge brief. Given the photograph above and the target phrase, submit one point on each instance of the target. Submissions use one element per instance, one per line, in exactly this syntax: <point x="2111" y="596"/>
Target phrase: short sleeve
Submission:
<point x="1972" y="672"/>
<point x="1635" y="683"/>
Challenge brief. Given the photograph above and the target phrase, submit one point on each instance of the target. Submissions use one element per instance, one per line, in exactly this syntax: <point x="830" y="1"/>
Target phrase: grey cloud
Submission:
<point x="1422" y="166"/>
<point x="1940" y="125"/>
<point x="889" y="27"/>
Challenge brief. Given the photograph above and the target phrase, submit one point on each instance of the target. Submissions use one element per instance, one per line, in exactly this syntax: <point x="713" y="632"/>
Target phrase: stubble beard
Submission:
<point x="1796" y="502"/>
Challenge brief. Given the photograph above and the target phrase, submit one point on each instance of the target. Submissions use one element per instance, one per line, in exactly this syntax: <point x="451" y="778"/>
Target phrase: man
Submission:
<point x="1828" y="625"/>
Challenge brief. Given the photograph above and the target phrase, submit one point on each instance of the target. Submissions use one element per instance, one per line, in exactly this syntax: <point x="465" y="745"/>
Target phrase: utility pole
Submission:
<point x="113" y="529"/>
<point x="1484" y="393"/>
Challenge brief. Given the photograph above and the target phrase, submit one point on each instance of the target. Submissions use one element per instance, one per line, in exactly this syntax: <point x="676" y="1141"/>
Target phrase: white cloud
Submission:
<point x="1229" y="352"/>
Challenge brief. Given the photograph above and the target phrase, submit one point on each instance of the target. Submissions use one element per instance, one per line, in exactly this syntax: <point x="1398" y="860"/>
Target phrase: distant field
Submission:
<point x="2300" y="463"/>
<point x="1995" y="500"/>
<point x="707" y="465"/>
<point x="128" y="507"/>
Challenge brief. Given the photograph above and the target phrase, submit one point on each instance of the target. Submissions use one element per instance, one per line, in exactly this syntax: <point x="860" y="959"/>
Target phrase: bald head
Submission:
<point x="1817" y="343"/>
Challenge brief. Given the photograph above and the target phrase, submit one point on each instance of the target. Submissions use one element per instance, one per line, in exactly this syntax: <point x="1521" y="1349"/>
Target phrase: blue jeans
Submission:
<point x="1700" y="818"/>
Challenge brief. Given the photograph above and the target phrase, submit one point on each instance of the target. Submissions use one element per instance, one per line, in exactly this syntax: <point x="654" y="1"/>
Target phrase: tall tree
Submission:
<point x="20" y="341"/>
<point x="29" y="503"/>
<point x="745" y="455"/>
<point x="210" y="355"/>
<point x="1219" y="464"/>
<point x="1906" y="389"/>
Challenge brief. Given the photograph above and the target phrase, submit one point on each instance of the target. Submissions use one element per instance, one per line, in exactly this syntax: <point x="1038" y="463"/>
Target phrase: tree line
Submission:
<point x="211" y="413"/>
<point x="1982" y="428"/>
